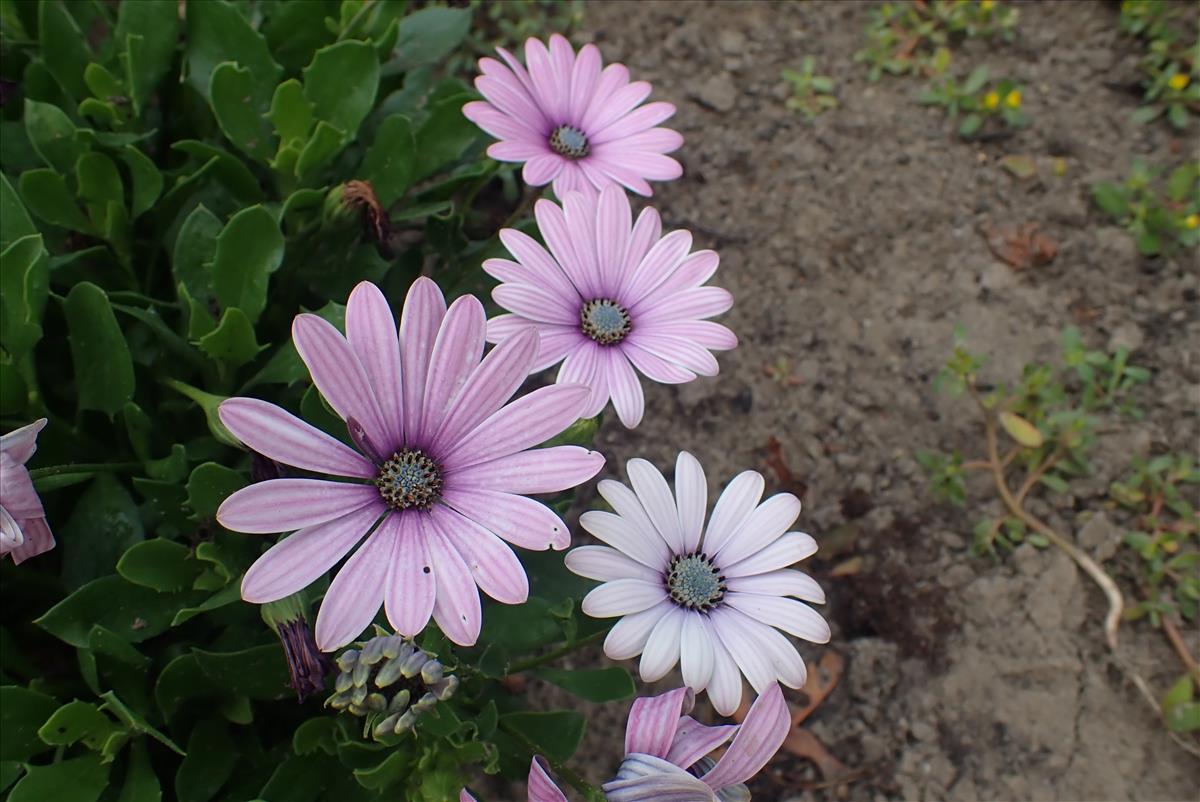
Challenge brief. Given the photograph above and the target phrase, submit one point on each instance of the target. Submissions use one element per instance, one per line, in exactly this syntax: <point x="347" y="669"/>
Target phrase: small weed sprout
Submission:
<point x="1170" y="68"/>
<point x="1161" y="217"/>
<point x="904" y="37"/>
<point x="978" y="98"/>
<point x="812" y="94"/>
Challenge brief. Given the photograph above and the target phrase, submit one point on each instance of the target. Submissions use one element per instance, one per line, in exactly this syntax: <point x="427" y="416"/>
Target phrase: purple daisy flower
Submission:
<point x="24" y="532"/>
<point x="713" y="602"/>
<point x="436" y="484"/>
<point x="611" y="295"/>
<point x="573" y="121"/>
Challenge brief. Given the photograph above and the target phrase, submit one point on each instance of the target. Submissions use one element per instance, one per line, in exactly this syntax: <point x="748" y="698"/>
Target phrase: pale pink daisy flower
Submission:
<point x="713" y="602"/>
<point x="573" y="121"/>
<point x="609" y="296"/>
<point x="665" y="753"/>
<point x="24" y="532"/>
<point x="437" y="482"/>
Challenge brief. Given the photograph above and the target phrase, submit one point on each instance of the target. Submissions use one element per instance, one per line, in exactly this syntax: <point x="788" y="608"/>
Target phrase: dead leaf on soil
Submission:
<point x="1021" y="165"/>
<point x="787" y="480"/>
<point x="1020" y="246"/>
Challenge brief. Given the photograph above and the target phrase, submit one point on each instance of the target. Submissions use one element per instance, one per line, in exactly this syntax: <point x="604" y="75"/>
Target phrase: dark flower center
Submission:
<point x="569" y="141"/>
<point x="694" y="582"/>
<point x="604" y="321"/>
<point x="409" y="479"/>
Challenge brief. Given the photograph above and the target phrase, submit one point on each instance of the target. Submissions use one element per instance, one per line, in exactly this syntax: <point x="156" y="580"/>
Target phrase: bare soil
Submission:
<point x="853" y="248"/>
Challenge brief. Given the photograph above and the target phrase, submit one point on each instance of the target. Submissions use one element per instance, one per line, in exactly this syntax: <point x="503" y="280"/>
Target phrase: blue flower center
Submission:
<point x="569" y="141"/>
<point x="409" y="479"/>
<point x="694" y="582"/>
<point x="604" y="321"/>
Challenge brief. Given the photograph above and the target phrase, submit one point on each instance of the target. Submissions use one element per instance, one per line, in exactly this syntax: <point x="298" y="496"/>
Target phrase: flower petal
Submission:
<point x="691" y="499"/>
<point x="793" y="617"/>
<point x="659" y="263"/>
<point x="298" y="560"/>
<point x="655" y="495"/>
<point x="541" y="170"/>
<point x="456" y="353"/>
<point x="704" y="333"/>
<point x="424" y="309"/>
<point x="662" y="648"/>
<point x="355" y="594"/>
<point x="371" y="332"/>
<point x="281" y="505"/>
<point x="517" y="519"/>
<point x="494" y="567"/>
<point x="457" y="610"/>
<point x="641" y="542"/>
<point x="579" y="209"/>
<point x="614" y="220"/>
<point x="281" y="436"/>
<point x="38" y="539"/>
<point x="541" y="787"/>
<point x="650" y="728"/>
<point x="763" y="526"/>
<point x="757" y="740"/>
<point x="625" y="388"/>
<point x="645" y="778"/>
<point x="628" y="636"/>
<point x="584" y="77"/>
<point x="606" y="564"/>
<point x="693" y="271"/>
<point x="655" y="367"/>
<point x="752" y="661"/>
<point x="535" y="303"/>
<point x="543" y="470"/>
<point x="693" y="740"/>
<point x="725" y="687"/>
<point x="611" y="79"/>
<point x="623" y="597"/>
<point x="791" y="548"/>
<point x="584" y="366"/>
<point x="544" y="271"/>
<point x="696" y="652"/>
<point x="549" y="86"/>
<point x="338" y="374"/>
<point x="737" y="500"/>
<point x="636" y="122"/>
<point x="622" y="101"/>
<point x="684" y="353"/>
<point x="411" y="585"/>
<point x="21" y="443"/>
<point x="559" y="235"/>
<point x="694" y="304"/>
<point x="784" y="582"/>
<point x="526" y="422"/>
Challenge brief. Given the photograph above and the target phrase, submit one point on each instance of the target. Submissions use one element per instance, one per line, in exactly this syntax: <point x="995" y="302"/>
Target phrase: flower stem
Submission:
<point x="83" y="467"/>
<point x="554" y="654"/>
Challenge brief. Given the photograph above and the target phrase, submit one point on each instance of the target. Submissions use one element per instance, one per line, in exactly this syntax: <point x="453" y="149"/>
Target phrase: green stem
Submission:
<point x="357" y="18"/>
<point x="83" y="467"/>
<point x="551" y="656"/>
<point x="137" y="297"/>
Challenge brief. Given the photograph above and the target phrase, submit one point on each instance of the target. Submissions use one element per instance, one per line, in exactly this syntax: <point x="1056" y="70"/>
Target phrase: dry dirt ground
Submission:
<point x="853" y="249"/>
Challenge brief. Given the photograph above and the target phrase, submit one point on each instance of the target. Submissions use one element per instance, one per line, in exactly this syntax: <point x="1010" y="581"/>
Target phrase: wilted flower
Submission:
<point x="715" y="603"/>
<point x="439" y="480"/>
<point x="609" y="296"/>
<point x="572" y="122"/>
<point x="24" y="532"/>
<point x="307" y="667"/>
<point x="390" y="683"/>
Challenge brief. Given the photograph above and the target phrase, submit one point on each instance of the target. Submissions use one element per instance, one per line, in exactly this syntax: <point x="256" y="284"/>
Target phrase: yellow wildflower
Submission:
<point x="1178" y="81"/>
<point x="1013" y="99"/>
<point x="986" y="5"/>
<point x="1192" y="221"/>
<point x="991" y="100"/>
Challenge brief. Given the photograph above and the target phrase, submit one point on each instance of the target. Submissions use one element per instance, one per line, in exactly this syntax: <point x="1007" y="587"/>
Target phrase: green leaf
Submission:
<point x="14" y="220"/>
<point x="24" y="273"/>
<point x="1148" y="243"/>
<point x="232" y="342"/>
<point x="291" y="113"/>
<point x="98" y="179"/>
<point x="130" y="611"/>
<point x="135" y="721"/>
<point x="975" y="81"/>
<point x="234" y="174"/>
<point x="104" y="642"/>
<point x="429" y="35"/>
<point x="1146" y="114"/>
<point x="103" y="525"/>
<point x="249" y="249"/>
<point x="209" y="485"/>
<point x="52" y="135"/>
<point x="1181" y="182"/>
<point x="594" y="685"/>
<point x="324" y="144"/>
<point x="556" y="734"/>
<point x="390" y="163"/>
<point x="22" y="713"/>
<point x="970" y="124"/>
<point x="232" y="92"/>
<point x="227" y="595"/>
<point x="77" y="721"/>
<point x="64" y="47"/>
<point x="81" y="779"/>
<point x="217" y="32"/>
<point x="209" y="763"/>
<point x="209" y="403"/>
<point x="141" y="783"/>
<point x="159" y="564"/>
<point x="1177" y="115"/>
<point x="149" y="32"/>
<point x="1181" y="718"/>
<point x="10" y="772"/>
<point x="1110" y="198"/>
<point x="103" y="367"/>
<point x="1021" y="430"/>
<point x="195" y="248"/>
<point x="341" y="82"/>
<point x="257" y="673"/>
<point x="317" y="734"/>
<point x="46" y="194"/>
<point x="444" y="136"/>
<point x="1179" y="693"/>
<point x="147" y="180"/>
<point x="101" y="83"/>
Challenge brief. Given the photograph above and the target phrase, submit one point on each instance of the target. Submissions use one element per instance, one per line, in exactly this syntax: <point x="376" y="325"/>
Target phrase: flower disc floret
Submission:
<point x="604" y="321"/>
<point x="409" y="479"/>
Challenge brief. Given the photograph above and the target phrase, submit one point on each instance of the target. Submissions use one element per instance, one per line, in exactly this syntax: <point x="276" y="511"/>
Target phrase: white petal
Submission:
<point x="725" y="686"/>
<point x="791" y="548"/>
<point x="662" y="648"/>
<point x="655" y="494"/>
<point x="691" y="497"/>
<point x="784" y="582"/>
<point x="642" y="543"/>
<point x="760" y="528"/>
<point x="793" y="617"/>
<point x="622" y="597"/>
<point x="628" y="636"/>
<point x="738" y="500"/>
<point x="696" y="652"/>
<point x="606" y="564"/>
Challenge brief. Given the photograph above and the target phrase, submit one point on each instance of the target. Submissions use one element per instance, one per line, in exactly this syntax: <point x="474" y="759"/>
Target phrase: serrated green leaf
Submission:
<point x="101" y="83"/>
<point x="232" y="342"/>
<point x="103" y="367"/>
<point x="148" y="31"/>
<point x="15" y="223"/>
<point x="209" y="485"/>
<point x="64" y="47"/>
<point x="291" y="113"/>
<point x="129" y="611"/>
<point x="46" y="195"/>
<point x="341" y="83"/>
<point x="105" y="642"/>
<point x="249" y="250"/>
<point x="147" y="180"/>
<point x="195" y="248"/>
<point x="81" y="779"/>
<point x="217" y="32"/>
<point x="325" y="143"/>
<point x="209" y="763"/>
<point x="24" y="275"/>
<point x="22" y="713"/>
<point x="317" y="734"/>
<point x="444" y="136"/>
<point x="103" y="525"/>
<point x="141" y="783"/>
<point x="594" y="685"/>
<point x="98" y="179"/>
<point x="556" y="734"/>
<point x="232" y="92"/>
<point x="77" y="721"/>
<point x="1110" y="198"/>
<point x="229" y="169"/>
<point x="390" y="163"/>
<point x="159" y="564"/>
<point x="429" y="35"/>
<point x="52" y="135"/>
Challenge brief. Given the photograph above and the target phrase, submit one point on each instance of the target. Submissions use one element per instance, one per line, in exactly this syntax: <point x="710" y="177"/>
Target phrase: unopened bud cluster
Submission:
<point x="390" y="683"/>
